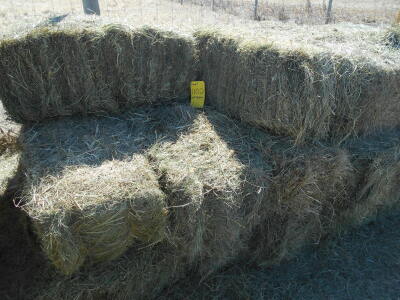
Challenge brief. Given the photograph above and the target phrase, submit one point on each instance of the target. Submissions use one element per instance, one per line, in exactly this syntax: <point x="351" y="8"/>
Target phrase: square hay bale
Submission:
<point x="82" y="68"/>
<point x="75" y="169"/>
<point x="309" y="188"/>
<point x="209" y="180"/>
<point x="380" y="190"/>
<point x="95" y="213"/>
<point x="304" y="91"/>
<point x="229" y="191"/>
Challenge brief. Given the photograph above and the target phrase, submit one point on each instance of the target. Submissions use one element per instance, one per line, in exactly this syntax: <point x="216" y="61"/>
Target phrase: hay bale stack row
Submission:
<point x="306" y="93"/>
<point x="161" y="191"/>
<point x="95" y="213"/>
<point x="86" y="70"/>
<point x="201" y="191"/>
<point x="125" y="184"/>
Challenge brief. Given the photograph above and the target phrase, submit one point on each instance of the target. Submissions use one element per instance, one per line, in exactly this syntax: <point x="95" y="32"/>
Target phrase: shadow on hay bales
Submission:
<point x="20" y="256"/>
<point x="306" y="94"/>
<point x="78" y="70"/>
<point x="229" y="190"/>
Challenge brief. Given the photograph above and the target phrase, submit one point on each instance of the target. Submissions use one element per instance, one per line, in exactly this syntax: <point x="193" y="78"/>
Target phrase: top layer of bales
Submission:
<point x="75" y="69"/>
<point x="311" y="83"/>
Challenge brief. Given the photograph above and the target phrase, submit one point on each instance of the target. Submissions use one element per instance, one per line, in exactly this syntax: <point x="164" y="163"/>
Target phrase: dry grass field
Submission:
<point x="185" y="13"/>
<point x="359" y="264"/>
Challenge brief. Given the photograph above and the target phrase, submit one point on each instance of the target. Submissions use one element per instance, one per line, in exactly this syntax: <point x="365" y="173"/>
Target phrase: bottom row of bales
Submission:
<point x="167" y="190"/>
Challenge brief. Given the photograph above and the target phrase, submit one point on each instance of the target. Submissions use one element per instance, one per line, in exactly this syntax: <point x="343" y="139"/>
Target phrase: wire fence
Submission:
<point x="203" y="12"/>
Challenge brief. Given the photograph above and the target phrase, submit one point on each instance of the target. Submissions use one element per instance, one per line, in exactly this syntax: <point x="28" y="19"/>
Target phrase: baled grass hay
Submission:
<point x="309" y="94"/>
<point x="84" y="69"/>
<point x="96" y="213"/>
<point x="220" y="190"/>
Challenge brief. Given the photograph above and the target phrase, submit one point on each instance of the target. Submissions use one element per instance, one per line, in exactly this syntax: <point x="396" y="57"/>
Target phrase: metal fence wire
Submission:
<point x="203" y="12"/>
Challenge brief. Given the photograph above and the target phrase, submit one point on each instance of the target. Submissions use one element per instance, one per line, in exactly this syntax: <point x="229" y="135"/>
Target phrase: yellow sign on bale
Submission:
<point x="198" y="93"/>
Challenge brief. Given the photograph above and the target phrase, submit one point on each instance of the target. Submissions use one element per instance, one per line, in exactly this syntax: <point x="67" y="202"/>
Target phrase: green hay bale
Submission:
<point x="95" y="213"/>
<point x="304" y="93"/>
<point x="83" y="69"/>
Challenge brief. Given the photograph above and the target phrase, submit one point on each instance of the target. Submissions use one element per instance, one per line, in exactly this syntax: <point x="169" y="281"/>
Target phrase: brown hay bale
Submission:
<point x="83" y="69"/>
<point x="96" y="213"/>
<point x="303" y="93"/>
<point x="206" y="225"/>
<point x="380" y="190"/>
<point x="309" y="187"/>
<point x="207" y="185"/>
<point x="230" y="190"/>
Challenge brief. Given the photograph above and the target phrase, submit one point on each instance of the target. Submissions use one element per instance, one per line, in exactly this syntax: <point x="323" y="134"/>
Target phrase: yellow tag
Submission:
<point x="198" y="92"/>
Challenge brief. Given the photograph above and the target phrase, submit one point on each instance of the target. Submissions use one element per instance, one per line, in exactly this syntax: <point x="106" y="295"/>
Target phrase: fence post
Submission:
<point x="255" y="9"/>
<point x="91" y="7"/>
<point x="329" y="12"/>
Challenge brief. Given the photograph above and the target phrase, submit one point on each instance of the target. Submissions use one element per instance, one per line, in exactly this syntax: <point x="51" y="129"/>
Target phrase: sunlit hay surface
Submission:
<point x="88" y="69"/>
<point x="309" y="82"/>
<point x="8" y="169"/>
<point x="209" y="179"/>
<point x="299" y="91"/>
<point x="9" y="143"/>
<point x="205" y="183"/>
<point x="95" y="213"/>
<point x="231" y="191"/>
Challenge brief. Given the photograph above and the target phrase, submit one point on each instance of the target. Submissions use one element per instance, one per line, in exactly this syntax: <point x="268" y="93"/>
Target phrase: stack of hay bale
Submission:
<point x="125" y="204"/>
